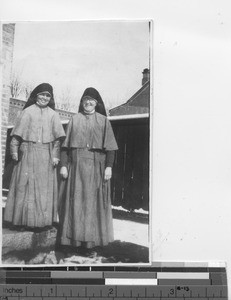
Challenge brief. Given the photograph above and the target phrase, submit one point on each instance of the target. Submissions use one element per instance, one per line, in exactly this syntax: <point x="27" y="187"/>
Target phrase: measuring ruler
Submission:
<point x="142" y="282"/>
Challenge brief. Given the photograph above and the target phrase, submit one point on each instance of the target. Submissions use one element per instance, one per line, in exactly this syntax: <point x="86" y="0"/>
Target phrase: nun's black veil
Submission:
<point x="43" y="87"/>
<point x="93" y="93"/>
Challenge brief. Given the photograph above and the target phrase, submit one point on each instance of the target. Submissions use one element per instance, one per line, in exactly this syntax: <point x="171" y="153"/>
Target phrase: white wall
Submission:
<point x="192" y="115"/>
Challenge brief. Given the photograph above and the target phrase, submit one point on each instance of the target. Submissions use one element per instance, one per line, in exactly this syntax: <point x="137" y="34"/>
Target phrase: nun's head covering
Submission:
<point x="43" y="87"/>
<point x="93" y="94"/>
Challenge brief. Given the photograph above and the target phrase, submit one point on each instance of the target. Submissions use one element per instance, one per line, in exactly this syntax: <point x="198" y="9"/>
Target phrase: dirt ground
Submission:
<point x="130" y="246"/>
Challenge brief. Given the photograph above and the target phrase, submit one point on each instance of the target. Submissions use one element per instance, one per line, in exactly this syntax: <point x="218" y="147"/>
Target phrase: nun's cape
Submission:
<point x="34" y="118"/>
<point x="101" y="135"/>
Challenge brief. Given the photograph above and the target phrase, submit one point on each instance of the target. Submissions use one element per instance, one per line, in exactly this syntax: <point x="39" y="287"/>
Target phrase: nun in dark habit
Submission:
<point x="35" y="148"/>
<point x="87" y="158"/>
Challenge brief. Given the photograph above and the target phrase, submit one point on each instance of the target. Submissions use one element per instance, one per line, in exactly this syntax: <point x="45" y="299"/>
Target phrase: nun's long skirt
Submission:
<point x="86" y="202"/>
<point x="32" y="197"/>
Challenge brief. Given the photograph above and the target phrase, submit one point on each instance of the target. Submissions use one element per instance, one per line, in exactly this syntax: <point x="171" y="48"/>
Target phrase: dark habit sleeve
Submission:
<point x="14" y="145"/>
<point x="110" y="157"/>
<point x="64" y="157"/>
<point x="56" y="149"/>
<point x="66" y="142"/>
<point x="65" y="145"/>
<point x="57" y="128"/>
<point x="109" y="138"/>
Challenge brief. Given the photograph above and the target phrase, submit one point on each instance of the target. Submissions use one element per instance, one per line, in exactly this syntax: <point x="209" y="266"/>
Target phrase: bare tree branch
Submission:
<point x="27" y="89"/>
<point x="66" y="101"/>
<point x="15" y="85"/>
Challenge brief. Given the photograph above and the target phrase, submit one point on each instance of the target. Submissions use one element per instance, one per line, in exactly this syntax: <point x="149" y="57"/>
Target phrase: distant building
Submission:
<point x="130" y="122"/>
<point x="139" y="103"/>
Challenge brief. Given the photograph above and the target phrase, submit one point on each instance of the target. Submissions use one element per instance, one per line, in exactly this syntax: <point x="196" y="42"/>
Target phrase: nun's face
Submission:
<point x="43" y="99"/>
<point x="89" y="105"/>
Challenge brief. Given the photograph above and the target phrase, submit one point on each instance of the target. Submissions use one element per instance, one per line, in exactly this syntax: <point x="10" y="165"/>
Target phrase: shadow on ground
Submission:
<point x="116" y="252"/>
<point x="25" y="246"/>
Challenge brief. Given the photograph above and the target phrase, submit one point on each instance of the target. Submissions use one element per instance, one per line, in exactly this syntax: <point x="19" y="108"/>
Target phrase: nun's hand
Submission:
<point x="15" y="156"/>
<point x="64" y="172"/>
<point x="107" y="173"/>
<point x="55" y="161"/>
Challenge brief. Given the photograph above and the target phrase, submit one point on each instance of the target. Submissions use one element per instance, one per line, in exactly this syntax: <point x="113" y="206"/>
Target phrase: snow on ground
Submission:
<point x="139" y="211"/>
<point x="131" y="232"/>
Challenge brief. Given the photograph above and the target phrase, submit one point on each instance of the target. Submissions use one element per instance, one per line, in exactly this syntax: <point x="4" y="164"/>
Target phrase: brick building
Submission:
<point x="6" y="62"/>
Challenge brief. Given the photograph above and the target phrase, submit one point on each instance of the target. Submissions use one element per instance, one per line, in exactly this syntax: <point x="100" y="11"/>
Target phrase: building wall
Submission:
<point x="7" y="56"/>
<point x="130" y="180"/>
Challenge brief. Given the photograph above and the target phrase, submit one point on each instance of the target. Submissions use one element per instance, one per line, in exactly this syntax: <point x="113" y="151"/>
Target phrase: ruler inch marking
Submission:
<point x="185" y="289"/>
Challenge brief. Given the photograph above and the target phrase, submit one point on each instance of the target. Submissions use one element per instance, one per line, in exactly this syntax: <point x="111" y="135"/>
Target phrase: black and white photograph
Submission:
<point x="76" y="112"/>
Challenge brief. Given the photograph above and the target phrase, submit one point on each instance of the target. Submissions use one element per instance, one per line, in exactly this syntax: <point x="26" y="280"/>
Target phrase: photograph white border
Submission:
<point x="151" y="116"/>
